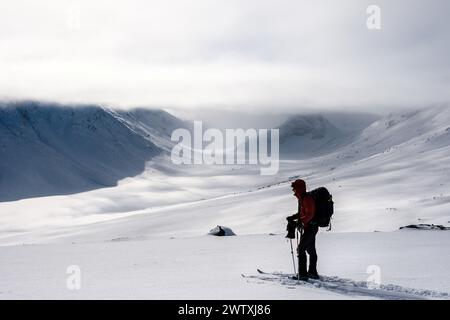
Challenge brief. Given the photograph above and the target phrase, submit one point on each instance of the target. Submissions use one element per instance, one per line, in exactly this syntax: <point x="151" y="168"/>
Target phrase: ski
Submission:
<point x="279" y="274"/>
<point x="260" y="271"/>
<point x="349" y="287"/>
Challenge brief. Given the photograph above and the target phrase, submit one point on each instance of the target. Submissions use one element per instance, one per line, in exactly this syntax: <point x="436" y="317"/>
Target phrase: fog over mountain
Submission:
<point x="254" y="55"/>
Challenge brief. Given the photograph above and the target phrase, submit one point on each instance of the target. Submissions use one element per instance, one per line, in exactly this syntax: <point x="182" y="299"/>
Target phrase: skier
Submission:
<point x="309" y="229"/>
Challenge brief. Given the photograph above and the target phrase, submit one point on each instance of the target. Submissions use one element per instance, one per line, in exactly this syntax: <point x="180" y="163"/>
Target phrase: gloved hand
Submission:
<point x="290" y="218"/>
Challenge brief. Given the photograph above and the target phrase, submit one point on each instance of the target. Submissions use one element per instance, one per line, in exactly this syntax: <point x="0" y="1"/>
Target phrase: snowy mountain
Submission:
<point x="392" y="173"/>
<point x="305" y="136"/>
<point x="155" y="125"/>
<point x="398" y="168"/>
<point x="415" y="132"/>
<point x="308" y="135"/>
<point x="50" y="149"/>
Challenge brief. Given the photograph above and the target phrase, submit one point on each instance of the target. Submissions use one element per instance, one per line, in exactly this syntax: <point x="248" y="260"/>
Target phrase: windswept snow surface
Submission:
<point x="146" y="237"/>
<point x="208" y="267"/>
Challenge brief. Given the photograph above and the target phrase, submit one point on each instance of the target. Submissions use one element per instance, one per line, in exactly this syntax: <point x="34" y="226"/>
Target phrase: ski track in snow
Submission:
<point x="349" y="287"/>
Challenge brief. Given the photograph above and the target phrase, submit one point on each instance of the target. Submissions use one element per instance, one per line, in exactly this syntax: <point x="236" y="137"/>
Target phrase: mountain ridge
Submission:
<point x="50" y="149"/>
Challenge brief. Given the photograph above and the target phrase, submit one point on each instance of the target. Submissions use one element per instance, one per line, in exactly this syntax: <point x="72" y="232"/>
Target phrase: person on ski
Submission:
<point x="309" y="229"/>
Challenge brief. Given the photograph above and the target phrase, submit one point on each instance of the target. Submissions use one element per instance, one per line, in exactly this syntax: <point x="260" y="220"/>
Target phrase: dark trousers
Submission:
<point x="307" y="245"/>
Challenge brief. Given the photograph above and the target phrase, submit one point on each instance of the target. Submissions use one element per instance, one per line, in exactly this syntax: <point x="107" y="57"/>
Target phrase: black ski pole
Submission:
<point x="298" y="243"/>
<point x="292" y="254"/>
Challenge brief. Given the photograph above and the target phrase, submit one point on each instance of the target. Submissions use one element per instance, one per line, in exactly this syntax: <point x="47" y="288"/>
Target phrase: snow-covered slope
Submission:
<point x="393" y="173"/>
<point x="49" y="149"/>
<point x="386" y="178"/>
<point x="414" y="132"/>
<point x="209" y="267"/>
<point x="312" y="135"/>
<point x="155" y="125"/>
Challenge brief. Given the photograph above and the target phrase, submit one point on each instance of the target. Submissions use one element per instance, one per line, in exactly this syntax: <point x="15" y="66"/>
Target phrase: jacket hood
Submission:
<point x="299" y="185"/>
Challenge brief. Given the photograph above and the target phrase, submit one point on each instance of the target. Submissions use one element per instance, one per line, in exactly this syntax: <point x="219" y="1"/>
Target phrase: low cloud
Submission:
<point x="233" y="55"/>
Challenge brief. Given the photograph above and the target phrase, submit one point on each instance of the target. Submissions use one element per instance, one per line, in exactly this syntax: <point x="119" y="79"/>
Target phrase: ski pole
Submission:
<point x="292" y="254"/>
<point x="298" y="243"/>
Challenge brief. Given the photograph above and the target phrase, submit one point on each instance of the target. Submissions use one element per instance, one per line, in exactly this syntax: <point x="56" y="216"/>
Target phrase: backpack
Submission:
<point x="324" y="207"/>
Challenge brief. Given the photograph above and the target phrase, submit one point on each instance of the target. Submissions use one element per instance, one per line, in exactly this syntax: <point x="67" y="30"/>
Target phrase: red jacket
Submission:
<point x="307" y="209"/>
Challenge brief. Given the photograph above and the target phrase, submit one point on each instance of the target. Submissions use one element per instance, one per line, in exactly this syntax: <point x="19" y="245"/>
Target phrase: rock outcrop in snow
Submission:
<point x="425" y="226"/>
<point x="221" y="231"/>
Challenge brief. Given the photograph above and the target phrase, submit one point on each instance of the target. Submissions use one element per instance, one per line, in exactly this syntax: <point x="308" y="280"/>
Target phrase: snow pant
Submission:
<point x="307" y="245"/>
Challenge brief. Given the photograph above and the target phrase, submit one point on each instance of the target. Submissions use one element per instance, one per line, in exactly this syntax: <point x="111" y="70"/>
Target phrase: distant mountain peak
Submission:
<point x="312" y="126"/>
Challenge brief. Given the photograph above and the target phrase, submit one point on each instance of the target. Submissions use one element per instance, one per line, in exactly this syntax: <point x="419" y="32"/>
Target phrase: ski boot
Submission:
<point x="301" y="277"/>
<point x="313" y="275"/>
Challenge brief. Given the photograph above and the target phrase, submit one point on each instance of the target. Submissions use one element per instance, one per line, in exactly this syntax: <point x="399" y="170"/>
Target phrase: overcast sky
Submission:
<point x="245" y="55"/>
